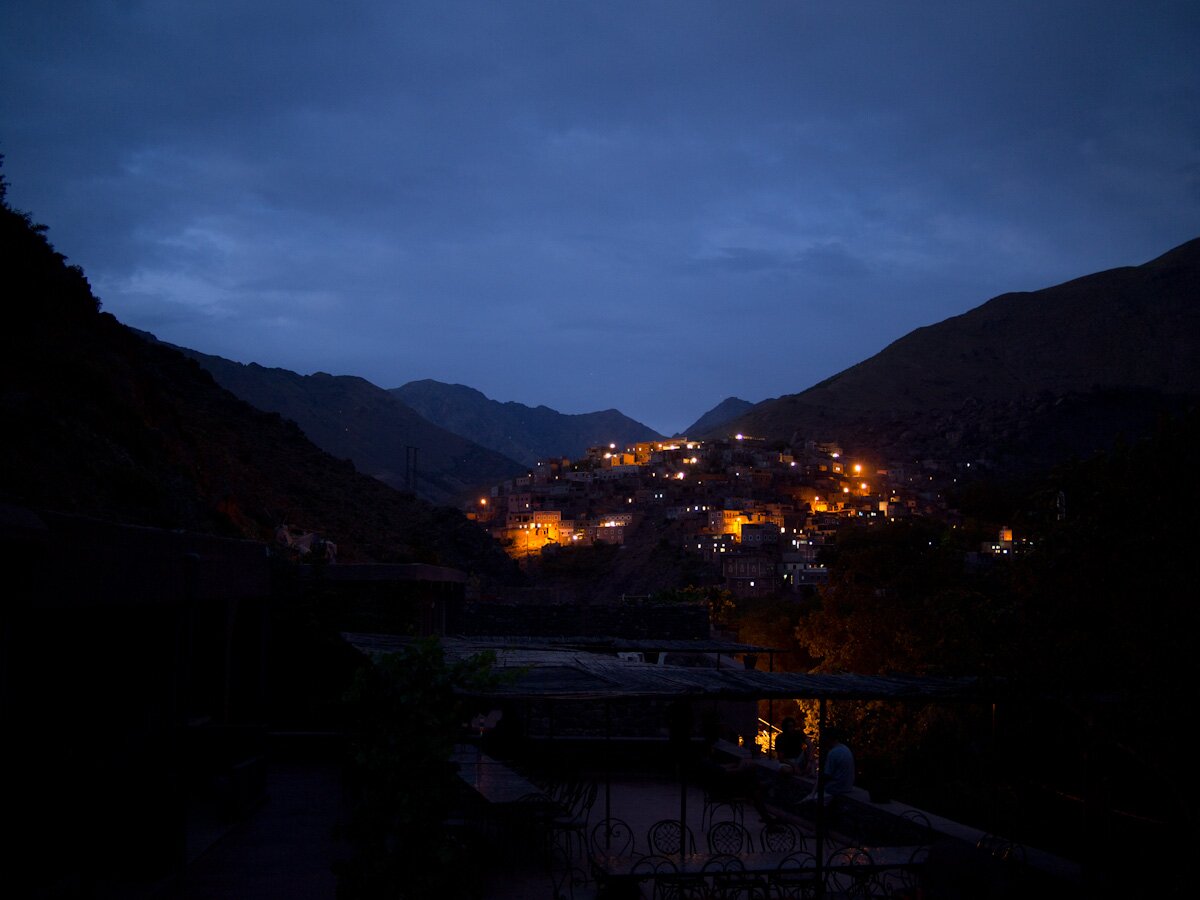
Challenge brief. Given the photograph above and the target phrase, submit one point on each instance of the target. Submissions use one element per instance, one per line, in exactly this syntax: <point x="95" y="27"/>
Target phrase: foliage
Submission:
<point x="897" y="600"/>
<point x="1090" y="627"/>
<point x="722" y="609"/>
<point x="774" y="622"/>
<point x="571" y="562"/>
<point x="407" y="710"/>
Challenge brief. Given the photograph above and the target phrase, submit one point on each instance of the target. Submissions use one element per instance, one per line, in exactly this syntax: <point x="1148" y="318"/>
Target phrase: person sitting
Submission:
<point x="838" y="769"/>
<point x="794" y="749"/>
<point x="839" y="766"/>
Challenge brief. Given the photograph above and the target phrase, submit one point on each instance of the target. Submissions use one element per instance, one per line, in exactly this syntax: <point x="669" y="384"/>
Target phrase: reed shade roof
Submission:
<point x="581" y="669"/>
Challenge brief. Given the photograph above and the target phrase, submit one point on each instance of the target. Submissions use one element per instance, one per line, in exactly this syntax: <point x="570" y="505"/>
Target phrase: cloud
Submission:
<point x="442" y="189"/>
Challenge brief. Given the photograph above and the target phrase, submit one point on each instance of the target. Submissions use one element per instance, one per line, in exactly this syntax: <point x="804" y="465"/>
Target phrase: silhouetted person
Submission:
<point x="839" y="765"/>
<point x="838" y="768"/>
<point x="793" y="747"/>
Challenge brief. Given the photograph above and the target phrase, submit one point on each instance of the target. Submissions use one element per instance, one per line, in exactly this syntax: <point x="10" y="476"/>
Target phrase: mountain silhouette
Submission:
<point x="524" y="433"/>
<point x="103" y="423"/>
<point x="353" y="419"/>
<point x="1026" y="379"/>
<point x="725" y="411"/>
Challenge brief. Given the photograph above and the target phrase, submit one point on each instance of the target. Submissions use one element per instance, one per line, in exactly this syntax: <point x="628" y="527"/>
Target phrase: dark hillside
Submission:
<point x="523" y="433"/>
<point x="102" y="423"/>
<point x="728" y="409"/>
<point x="353" y="419"/>
<point x="1024" y="380"/>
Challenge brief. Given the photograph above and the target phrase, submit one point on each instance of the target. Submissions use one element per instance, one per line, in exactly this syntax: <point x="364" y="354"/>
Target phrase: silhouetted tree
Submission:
<point x="407" y="712"/>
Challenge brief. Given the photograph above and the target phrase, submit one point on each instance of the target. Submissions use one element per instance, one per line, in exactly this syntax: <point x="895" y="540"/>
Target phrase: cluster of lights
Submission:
<point x="734" y="523"/>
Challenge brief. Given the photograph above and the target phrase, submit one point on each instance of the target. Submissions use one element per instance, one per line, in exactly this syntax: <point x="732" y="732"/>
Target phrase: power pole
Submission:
<point x="410" y="468"/>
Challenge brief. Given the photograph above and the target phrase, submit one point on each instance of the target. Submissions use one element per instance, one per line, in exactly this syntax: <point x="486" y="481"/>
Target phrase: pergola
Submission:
<point x="587" y="669"/>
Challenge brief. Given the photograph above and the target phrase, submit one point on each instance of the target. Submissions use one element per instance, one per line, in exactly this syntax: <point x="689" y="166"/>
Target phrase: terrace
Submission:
<point x="576" y="712"/>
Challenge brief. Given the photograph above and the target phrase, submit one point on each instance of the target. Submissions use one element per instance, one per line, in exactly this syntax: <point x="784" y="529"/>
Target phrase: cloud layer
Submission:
<point x="649" y="206"/>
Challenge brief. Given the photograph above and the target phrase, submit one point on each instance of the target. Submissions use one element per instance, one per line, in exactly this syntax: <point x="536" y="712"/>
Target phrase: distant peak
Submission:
<point x="432" y="385"/>
<point x="1186" y="253"/>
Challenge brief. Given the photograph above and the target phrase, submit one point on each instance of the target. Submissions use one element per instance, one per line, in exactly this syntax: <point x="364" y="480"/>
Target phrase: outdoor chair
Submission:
<point x="571" y="821"/>
<point x="657" y="877"/>
<point x="568" y="877"/>
<point x="795" y="878"/>
<point x="525" y="823"/>
<point x="845" y="880"/>
<point x="729" y="837"/>
<point x="665" y="838"/>
<point x="781" y="837"/>
<point x="723" y="877"/>
<point x="612" y="837"/>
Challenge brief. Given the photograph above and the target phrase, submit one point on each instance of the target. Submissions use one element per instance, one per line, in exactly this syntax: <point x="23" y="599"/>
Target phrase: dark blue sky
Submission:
<point x="648" y="206"/>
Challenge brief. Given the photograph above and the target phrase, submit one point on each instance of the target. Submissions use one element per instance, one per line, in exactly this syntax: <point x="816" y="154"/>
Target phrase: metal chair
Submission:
<point x="657" y="877"/>
<point x="795" y="878"/>
<point x="781" y="837"/>
<point x="525" y="823"/>
<point x="612" y="837"/>
<point x="571" y="822"/>
<point x="666" y="838"/>
<point x="845" y="880"/>
<point x="568" y="877"/>
<point x="729" y="837"/>
<point x="723" y="877"/>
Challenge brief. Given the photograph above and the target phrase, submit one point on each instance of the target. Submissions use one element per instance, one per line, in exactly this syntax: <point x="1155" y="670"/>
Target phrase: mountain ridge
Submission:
<point x="725" y="411"/>
<point x="351" y="418"/>
<point x="1126" y="340"/>
<point x="105" y="424"/>
<point x="525" y="433"/>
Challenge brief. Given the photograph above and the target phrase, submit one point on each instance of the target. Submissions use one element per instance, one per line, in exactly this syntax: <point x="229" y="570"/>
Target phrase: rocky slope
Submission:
<point x="1025" y="379"/>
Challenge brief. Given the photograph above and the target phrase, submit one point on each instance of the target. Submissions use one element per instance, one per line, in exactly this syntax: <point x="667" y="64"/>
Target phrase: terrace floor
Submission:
<point x="285" y="848"/>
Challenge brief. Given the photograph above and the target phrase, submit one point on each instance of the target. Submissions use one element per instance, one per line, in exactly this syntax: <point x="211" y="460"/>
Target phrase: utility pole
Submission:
<point x="410" y="468"/>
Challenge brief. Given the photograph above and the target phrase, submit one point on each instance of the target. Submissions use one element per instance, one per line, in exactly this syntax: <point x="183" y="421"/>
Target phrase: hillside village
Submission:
<point x="762" y="512"/>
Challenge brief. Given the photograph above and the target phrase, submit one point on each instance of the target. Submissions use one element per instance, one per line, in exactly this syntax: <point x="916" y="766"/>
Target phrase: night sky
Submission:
<point x="648" y="206"/>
